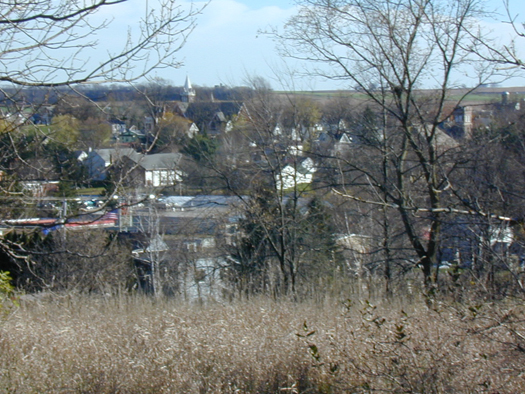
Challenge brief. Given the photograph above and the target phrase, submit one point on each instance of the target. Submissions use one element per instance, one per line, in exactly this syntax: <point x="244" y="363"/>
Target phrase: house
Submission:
<point x="40" y="188"/>
<point x="464" y="119"/>
<point x="17" y="115"/>
<point x="467" y="239"/>
<point x="43" y="115"/>
<point x="219" y="124"/>
<point x="129" y="137"/>
<point x="277" y="130"/>
<point x="157" y="170"/>
<point x="117" y="126"/>
<point x="299" y="172"/>
<point x="149" y="124"/>
<point x="98" y="161"/>
<point x="141" y="170"/>
<point x="342" y="143"/>
<point x="328" y="143"/>
<point x="147" y="259"/>
<point x="192" y="130"/>
<point x="442" y="141"/>
<point x="195" y="231"/>
<point x="213" y="117"/>
<point x="123" y="135"/>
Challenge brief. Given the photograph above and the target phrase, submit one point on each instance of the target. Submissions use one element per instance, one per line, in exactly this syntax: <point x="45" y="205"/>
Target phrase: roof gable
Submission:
<point x="159" y="161"/>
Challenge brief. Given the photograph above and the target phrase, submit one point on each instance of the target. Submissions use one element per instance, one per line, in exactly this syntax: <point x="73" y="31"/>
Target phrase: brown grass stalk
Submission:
<point x="139" y="345"/>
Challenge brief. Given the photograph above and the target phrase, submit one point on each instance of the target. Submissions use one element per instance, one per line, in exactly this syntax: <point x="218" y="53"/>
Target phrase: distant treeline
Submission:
<point x="102" y="93"/>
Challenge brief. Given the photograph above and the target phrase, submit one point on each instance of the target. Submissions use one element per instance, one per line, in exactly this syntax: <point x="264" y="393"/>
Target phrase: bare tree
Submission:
<point x="509" y="57"/>
<point x="76" y="261"/>
<point x="281" y="217"/>
<point x="44" y="41"/>
<point x="51" y="44"/>
<point x="389" y="50"/>
<point x="57" y="45"/>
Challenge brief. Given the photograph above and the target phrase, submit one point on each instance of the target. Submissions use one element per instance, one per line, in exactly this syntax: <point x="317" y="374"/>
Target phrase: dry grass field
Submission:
<point x="138" y="345"/>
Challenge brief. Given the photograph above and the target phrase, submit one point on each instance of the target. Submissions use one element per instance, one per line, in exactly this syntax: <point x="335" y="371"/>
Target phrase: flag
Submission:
<point x="110" y="215"/>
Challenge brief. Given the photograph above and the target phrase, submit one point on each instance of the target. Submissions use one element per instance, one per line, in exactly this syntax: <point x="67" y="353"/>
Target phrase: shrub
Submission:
<point x="7" y="293"/>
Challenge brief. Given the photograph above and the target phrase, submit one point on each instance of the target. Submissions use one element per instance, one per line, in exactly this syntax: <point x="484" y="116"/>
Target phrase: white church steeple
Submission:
<point x="188" y="94"/>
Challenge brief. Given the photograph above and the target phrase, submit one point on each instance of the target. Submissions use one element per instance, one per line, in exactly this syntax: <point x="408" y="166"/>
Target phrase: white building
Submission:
<point x="299" y="172"/>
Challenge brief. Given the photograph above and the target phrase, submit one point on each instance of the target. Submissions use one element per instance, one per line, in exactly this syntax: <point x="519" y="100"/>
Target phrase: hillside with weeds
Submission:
<point x="84" y="344"/>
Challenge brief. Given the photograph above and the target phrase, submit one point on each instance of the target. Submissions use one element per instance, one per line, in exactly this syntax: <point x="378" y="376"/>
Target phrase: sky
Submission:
<point x="227" y="47"/>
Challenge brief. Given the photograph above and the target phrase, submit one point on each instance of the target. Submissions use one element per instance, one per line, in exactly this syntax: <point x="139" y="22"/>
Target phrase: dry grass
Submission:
<point x="138" y="345"/>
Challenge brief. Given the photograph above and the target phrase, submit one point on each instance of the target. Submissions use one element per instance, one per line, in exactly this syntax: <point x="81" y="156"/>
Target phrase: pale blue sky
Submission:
<point x="226" y="48"/>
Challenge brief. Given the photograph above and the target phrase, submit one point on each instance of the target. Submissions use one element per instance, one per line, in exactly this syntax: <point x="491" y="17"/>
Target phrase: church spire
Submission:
<point x="188" y="94"/>
<point x="187" y="84"/>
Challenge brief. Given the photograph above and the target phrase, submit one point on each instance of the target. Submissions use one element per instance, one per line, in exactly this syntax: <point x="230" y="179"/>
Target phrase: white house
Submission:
<point x="117" y="126"/>
<point x="155" y="170"/>
<point x="299" y="172"/>
<point x="192" y="131"/>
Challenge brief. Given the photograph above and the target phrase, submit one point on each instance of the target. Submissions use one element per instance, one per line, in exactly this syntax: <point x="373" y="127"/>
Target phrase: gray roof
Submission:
<point x="105" y="154"/>
<point x="110" y="155"/>
<point x="157" y="161"/>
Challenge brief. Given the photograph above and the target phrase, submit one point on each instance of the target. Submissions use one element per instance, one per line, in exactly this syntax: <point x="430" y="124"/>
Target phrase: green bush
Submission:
<point x="7" y="292"/>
